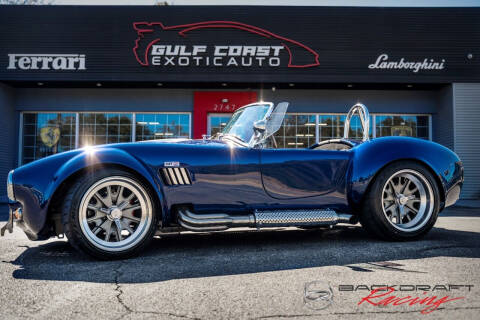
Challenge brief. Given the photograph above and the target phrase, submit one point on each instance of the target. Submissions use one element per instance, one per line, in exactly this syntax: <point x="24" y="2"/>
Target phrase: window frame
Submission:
<point x="190" y="116"/>
<point x="77" y="124"/>
<point x="134" y="124"/>
<point x="214" y="114"/>
<point x="20" y="130"/>
<point x="373" y="128"/>
<point x="373" y="124"/>
<point x="428" y="115"/>
<point x="305" y="114"/>
<point x="77" y="114"/>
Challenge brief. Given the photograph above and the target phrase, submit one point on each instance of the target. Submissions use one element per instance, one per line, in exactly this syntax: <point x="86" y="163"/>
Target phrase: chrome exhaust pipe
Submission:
<point x="212" y="221"/>
<point x="299" y="218"/>
<point x="261" y="219"/>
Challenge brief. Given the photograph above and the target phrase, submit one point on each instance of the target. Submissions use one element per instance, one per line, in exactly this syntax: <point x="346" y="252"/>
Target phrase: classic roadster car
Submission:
<point x="111" y="200"/>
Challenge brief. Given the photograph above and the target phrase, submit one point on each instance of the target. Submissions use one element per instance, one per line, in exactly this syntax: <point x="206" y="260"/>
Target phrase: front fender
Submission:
<point x="370" y="157"/>
<point x="104" y="157"/>
<point x="35" y="184"/>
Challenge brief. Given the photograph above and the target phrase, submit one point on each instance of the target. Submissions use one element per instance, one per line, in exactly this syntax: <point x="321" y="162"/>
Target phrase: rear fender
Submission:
<point x="372" y="156"/>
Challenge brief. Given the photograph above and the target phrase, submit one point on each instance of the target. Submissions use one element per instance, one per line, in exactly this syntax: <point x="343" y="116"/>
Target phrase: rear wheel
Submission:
<point x="402" y="203"/>
<point x="109" y="214"/>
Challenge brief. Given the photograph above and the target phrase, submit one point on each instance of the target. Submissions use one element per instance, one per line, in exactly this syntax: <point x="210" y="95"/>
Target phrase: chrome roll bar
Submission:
<point x="364" y="119"/>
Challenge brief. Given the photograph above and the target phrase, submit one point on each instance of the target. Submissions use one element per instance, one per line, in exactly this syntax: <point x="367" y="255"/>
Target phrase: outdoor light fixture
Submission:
<point x="99" y="84"/>
<point x="40" y="83"/>
<point x="159" y="84"/>
<point x="224" y="84"/>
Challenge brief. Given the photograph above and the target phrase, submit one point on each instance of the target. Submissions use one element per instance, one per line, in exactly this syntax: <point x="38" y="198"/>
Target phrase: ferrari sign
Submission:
<point x="46" y="61"/>
<point x="50" y="135"/>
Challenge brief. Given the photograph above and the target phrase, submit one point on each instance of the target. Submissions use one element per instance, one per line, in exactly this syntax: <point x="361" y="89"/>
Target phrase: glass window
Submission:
<point x="150" y="126"/>
<point x="103" y="128"/>
<point x="402" y="125"/>
<point x="297" y="131"/>
<point x="217" y="122"/>
<point x="45" y="134"/>
<point x="332" y="126"/>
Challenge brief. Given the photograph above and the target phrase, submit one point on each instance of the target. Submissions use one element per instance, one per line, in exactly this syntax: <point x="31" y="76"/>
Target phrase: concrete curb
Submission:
<point x="467" y="204"/>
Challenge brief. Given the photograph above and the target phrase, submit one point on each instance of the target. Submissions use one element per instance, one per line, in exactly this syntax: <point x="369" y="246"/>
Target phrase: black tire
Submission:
<point x="374" y="217"/>
<point x="76" y="231"/>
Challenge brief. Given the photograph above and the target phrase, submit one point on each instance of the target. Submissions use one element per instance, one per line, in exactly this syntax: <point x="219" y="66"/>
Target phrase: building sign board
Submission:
<point x="156" y="45"/>
<point x="46" y="61"/>
<point x="383" y="62"/>
<point x="251" y="44"/>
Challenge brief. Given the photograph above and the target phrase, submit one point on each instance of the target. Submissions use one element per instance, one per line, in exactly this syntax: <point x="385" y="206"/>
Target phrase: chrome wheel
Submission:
<point x="115" y="213"/>
<point x="407" y="200"/>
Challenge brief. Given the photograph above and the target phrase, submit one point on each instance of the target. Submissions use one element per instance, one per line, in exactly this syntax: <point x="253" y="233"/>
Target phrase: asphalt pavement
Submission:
<point x="286" y="273"/>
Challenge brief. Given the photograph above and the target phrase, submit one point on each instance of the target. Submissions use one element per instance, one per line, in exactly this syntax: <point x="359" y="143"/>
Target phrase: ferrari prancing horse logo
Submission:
<point x="50" y="135"/>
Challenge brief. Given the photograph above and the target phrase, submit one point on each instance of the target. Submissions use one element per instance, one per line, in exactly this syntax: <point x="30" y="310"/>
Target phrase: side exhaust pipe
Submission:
<point x="260" y="219"/>
<point x="213" y="221"/>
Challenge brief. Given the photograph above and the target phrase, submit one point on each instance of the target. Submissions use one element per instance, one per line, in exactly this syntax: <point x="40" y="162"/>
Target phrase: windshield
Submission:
<point x="241" y="123"/>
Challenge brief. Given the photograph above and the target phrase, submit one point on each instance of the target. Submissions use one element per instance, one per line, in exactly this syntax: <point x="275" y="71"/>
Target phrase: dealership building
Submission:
<point x="73" y="76"/>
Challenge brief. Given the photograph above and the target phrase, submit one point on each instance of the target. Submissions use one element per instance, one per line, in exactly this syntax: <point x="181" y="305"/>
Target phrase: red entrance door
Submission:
<point x="205" y="102"/>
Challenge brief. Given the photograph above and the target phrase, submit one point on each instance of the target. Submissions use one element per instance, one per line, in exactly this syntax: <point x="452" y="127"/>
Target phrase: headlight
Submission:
<point x="10" y="193"/>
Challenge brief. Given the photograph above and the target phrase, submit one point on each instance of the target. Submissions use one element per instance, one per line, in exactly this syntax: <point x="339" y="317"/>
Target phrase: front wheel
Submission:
<point x="402" y="203"/>
<point x="109" y="214"/>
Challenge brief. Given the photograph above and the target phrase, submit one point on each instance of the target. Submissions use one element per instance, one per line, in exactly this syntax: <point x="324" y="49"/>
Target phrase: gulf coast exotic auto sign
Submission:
<point x="156" y="45"/>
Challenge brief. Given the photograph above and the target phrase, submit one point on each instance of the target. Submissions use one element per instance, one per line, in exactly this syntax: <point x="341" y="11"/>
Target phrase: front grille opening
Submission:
<point x="176" y="176"/>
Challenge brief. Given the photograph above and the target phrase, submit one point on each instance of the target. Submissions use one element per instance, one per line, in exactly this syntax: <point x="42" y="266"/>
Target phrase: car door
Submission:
<point x="224" y="177"/>
<point x="301" y="173"/>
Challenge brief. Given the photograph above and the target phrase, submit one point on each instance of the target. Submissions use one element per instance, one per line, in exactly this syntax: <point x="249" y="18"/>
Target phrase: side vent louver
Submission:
<point x="176" y="176"/>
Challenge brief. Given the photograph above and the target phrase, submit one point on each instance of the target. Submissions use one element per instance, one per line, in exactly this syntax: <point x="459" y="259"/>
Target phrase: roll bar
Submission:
<point x="364" y="119"/>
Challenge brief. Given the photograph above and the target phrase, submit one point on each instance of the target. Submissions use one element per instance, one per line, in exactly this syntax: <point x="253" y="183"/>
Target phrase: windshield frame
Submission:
<point x="237" y="139"/>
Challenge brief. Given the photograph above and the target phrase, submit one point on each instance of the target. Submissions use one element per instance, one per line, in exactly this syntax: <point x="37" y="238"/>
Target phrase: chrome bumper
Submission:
<point x="15" y="214"/>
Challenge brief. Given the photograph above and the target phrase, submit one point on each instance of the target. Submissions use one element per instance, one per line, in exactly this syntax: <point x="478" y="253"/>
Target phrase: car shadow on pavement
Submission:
<point x="206" y="255"/>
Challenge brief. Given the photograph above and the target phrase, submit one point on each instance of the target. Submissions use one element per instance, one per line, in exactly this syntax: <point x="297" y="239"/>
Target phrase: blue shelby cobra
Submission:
<point x="111" y="200"/>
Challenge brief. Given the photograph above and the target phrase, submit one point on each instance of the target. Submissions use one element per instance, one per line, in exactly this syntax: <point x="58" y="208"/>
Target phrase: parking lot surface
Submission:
<point x="287" y="273"/>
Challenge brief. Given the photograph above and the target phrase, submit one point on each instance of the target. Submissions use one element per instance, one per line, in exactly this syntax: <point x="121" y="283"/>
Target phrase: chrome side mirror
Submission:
<point x="364" y="115"/>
